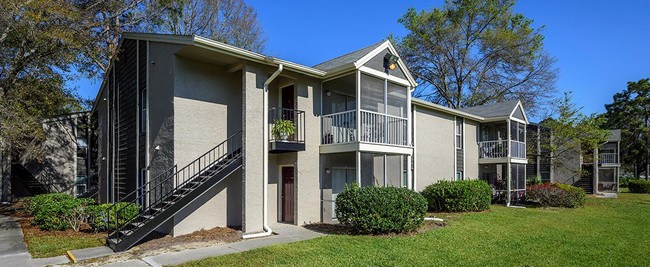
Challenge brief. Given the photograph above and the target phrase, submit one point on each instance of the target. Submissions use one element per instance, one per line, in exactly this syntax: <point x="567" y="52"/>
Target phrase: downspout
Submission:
<point x="265" y="159"/>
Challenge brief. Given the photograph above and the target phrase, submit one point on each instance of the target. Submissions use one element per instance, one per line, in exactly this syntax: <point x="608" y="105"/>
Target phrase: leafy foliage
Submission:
<point x="458" y="196"/>
<point x="630" y="112"/>
<point x="556" y="195"/>
<point x="38" y="43"/>
<point x="379" y="210"/>
<point x="473" y="52"/>
<point x="573" y="134"/>
<point x="639" y="186"/>
<point x="58" y="211"/>
<point x="103" y="217"/>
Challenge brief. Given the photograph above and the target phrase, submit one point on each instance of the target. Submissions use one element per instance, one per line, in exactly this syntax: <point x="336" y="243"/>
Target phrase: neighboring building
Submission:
<point x="598" y="169"/>
<point x="186" y="131"/>
<point x="64" y="164"/>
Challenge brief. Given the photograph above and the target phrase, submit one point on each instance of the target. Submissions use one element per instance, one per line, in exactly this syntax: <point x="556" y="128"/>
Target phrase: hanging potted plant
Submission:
<point x="283" y="128"/>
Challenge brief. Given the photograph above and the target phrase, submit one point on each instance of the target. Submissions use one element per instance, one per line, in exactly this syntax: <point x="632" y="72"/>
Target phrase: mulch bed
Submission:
<point x="196" y="239"/>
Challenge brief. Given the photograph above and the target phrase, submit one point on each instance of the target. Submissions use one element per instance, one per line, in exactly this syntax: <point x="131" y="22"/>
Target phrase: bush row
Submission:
<point x="639" y="186"/>
<point x="59" y="211"/>
<point x="458" y="196"/>
<point x="380" y="210"/>
<point x="556" y="195"/>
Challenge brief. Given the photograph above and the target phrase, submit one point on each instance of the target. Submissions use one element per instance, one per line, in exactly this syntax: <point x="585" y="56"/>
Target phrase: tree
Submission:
<point x="572" y="134"/>
<point x="630" y="112"/>
<point x="39" y="41"/>
<point x="228" y="21"/>
<point x="473" y="52"/>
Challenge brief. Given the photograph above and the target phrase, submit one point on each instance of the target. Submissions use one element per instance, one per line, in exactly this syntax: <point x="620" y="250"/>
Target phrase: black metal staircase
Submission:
<point x="31" y="185"/>
<point x="163" y="197"/>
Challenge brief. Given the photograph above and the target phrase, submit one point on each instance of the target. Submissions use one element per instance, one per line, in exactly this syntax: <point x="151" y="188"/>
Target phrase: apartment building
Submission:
<point x="201" y="134"/>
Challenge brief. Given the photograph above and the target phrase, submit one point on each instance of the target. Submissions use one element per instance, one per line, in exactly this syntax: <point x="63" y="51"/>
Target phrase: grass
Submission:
<point x="53" y="245"/>
<point x="605" y="232"/>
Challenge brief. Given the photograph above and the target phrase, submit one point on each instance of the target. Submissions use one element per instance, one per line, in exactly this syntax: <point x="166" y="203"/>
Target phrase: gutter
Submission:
<point x="265" y="159"/>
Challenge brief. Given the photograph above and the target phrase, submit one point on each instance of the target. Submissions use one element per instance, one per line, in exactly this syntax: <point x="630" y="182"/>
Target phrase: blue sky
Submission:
<point x="599" y="45"/>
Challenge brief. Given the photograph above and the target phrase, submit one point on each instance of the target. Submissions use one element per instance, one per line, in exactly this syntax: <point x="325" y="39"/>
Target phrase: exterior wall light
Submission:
<point x="390" y="62"/>
<point x="328" y="171"/>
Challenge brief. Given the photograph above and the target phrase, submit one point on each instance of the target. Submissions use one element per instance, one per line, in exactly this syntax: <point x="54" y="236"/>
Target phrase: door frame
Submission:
<point x="280" y="185"/>
<point x="295" y="95"/>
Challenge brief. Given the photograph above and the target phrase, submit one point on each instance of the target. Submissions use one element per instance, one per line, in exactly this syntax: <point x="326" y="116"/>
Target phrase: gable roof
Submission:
<point x="348" y="58"/>
<point x="501" y="109"/>
<point x="441" y="108"/>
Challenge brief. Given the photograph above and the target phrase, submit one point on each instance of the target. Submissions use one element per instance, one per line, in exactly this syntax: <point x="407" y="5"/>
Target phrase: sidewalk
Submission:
<point x="284" y="234"/>
<point x="12" y="249"/>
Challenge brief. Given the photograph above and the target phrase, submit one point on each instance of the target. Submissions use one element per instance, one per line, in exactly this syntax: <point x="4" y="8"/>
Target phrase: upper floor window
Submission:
<point x="517" y="131"/>
<point x="459" y="133"/>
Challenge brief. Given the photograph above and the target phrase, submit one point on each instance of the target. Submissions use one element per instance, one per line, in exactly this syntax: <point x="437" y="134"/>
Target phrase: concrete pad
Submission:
<point x="607" y="195"/>
<point x="89" y="253"/>
<point x="129" y="263"/>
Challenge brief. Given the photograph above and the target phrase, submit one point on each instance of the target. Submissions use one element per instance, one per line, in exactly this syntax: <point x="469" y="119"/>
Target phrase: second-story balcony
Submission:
<point x="499" y="149"/>
<point x="374" y="127"/>
<point x="608" y="158"/>
<point x="286" y="130"/>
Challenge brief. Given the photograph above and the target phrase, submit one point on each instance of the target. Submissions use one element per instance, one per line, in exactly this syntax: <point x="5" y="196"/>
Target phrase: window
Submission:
<point x="459" y="175"/>
<point x="143" y="111"/>
<point x="459" y="133"/>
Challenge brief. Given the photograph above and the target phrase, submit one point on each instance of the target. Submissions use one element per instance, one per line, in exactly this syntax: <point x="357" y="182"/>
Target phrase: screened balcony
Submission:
<point x="495" y="144"/>
<point x="379" y="116"/>
<point x="608" y="154"/>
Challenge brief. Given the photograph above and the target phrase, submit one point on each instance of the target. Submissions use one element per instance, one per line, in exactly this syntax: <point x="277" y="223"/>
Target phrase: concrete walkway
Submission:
<point x="284" y="234"/>
<point x="13" y="251"/>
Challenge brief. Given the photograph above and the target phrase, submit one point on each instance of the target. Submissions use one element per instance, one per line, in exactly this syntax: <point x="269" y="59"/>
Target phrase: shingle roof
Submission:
<point x="615" y="135"/>
<point x="347" y="58"/>
<point x="501" y="109"/>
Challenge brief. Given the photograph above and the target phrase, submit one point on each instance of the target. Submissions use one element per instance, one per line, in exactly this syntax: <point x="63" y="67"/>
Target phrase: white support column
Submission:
<point x="509" y="166"/>
<point x="358" y="168"/>
<point x="358" y="111"/>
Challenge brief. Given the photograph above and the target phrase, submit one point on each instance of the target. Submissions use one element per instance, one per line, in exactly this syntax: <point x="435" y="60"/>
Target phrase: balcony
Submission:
<point x="608" y="158"/>
<point x="375" y="128"/>
<point x="499" y="149"/>
<point x="279" y="142"/>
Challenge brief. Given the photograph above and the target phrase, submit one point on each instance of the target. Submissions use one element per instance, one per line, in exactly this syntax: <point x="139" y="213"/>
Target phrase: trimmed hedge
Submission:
<point x="380" y="210"/>
<point x="639" y="186"/>
<point x="556" y="195"/>
<point x="458" y="196"/>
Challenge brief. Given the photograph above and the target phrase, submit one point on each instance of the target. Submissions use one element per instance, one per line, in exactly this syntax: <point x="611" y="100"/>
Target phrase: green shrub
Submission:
<point x="458" y="196"/>
<point x="624" y="181"/>
<point x="379" y="210"/>
<point x="57" y="211"/>
<point x="105" y="216"/>
<point x="556" y="195"/>
<point x="639" y="186"/>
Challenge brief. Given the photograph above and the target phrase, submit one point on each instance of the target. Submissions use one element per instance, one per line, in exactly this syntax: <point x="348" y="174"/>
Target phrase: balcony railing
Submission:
<point x="378" y="128"/>
<point x="287" y="142"/>
<point x="499" y="149"/>
<point x="383" y="129"/>
<point x="608" y="158"/>
<point x="339" y="128"/>
<point x="493" y="149"/>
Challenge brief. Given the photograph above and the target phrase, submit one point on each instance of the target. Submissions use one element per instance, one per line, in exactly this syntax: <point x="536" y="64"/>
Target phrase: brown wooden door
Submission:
<point x="287" y="194"/>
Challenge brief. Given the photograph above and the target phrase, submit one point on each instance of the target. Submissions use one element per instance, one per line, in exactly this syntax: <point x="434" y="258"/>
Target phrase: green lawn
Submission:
<point x="52" y="245"/>
<point x="606" y="232"/>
